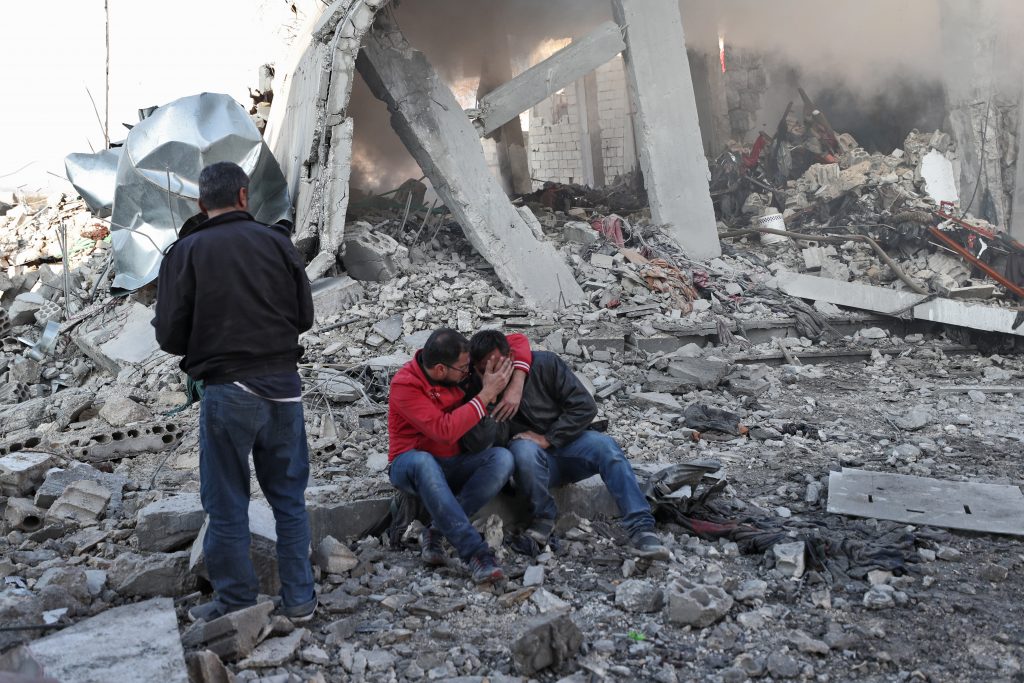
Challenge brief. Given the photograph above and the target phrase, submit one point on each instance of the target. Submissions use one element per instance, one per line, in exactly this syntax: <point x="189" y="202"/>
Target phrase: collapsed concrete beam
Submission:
<point x="430" y="122"/>
<point x="668" y="134"/>
<point x="891" y="301"/>
<point x="542" y="80"/>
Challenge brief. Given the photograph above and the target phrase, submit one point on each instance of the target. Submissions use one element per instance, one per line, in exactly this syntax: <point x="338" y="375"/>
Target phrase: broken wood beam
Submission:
<point x="542" y="80"/>
<point x="441" y="139"/>
<point x="669" y="143"/>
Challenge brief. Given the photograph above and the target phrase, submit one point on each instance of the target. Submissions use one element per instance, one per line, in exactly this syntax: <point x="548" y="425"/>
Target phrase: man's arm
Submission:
<point x="485" y="434"/>
<point x="522" y="360"/>
<point x="578" y="406"/>
<point x="174" y="305"/>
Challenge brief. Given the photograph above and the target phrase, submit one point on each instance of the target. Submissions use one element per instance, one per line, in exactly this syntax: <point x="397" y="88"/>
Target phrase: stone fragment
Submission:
<point x="635" y="595"/>
<point x="115" y="343"/>
<point x="805" y="643"/>
<point x="320" y="264"/>
<point x="781" y="665"/>
<point x="22" y="471"/>
<point x="338" y="386"/>
<point x="390" y="328"/>
<point x="704" y="373"/>
<point x="206" y="667"/>
<point x="121" y="410"/>
<point x="371" y="256"/>
<point x="335" y="295"/>
<point x="72" y="579"/>
<point x="695" y="604"/>
<point x="881" y="596"/>
<point x="604" y="261"/>
<point x="23" y="309"/>
<point x="152" y="575"/>
<point x="24" y="371"/>
<point x="533" y="576"/>
<point x="83" y="501"/>
<point x="546" y="642"/>
<point x="137" y="642"/>
<point x="263" y="549"/>
<point x="916" y="418"/>
<point x="57" y="481"/>
<point x="993" y="572"/>
<point x="334" y="557"/>
<point x="789" y="559"/>
<point x="22" y="514"/>
<point x="274" y="651"/>
<point x="579" y="232"/>
<point x="169" y="523"/>
<point x="657" y="399"/>
<point x="948" y="554"/>
<point x="753" y="666"/>
<point x="751" y="590"/>
<point x="232" y="636"/>
<point x="977" y="396"/>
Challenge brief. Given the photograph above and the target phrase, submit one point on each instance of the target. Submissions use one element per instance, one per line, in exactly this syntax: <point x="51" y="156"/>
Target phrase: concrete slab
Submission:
<point x="136" y="642"/>
<point x="668" y="134"/>
<point x="881" y="300"/>
<point x="263" y="550"/>
<point x="542" y="80"/>
<point x="125" y="337"/>
<point x="992" y="508"/>
<point x="431" y="124"/>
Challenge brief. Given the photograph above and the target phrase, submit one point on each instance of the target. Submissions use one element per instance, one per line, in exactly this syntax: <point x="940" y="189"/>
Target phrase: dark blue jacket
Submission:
<point x="232" y="298"/>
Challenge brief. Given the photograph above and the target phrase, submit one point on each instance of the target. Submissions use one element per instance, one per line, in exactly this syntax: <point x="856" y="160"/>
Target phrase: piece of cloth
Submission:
<point x="232" y="298"/>
<point x="453" y="489"/>
<point x="424" y="416"/>
<point x="233" y="423"/>
<point x="555" y="404"/>
<point x="283" y="386"/>
<point x="537" y="471"/>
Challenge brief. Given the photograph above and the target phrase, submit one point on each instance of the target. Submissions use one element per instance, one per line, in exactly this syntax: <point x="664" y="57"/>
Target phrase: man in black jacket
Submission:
<point x="552" y="445"/>
<point x="233" y="299"/>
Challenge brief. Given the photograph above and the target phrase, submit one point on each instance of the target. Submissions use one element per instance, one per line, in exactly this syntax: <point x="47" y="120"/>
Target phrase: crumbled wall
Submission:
<point x="746" y="82"/>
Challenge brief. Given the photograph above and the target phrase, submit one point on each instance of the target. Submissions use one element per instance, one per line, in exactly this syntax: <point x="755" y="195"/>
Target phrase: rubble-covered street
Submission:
<point x="808" y="346"/>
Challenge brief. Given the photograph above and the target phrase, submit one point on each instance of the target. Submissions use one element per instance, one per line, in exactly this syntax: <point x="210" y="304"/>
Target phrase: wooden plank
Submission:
<point x="993" y="508"/>
<point x="542" y="80"/>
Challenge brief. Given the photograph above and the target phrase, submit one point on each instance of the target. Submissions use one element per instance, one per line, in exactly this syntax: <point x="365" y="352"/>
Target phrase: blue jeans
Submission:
<point x="538" y="470"/>
<point x="233" y="423"/>
<point x="476" y="478"/>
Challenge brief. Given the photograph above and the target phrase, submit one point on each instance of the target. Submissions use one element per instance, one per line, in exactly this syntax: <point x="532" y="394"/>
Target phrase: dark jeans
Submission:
<point x="538" y="470"/>
<point x="477" y="478"/>
<point x="233" y="423"/>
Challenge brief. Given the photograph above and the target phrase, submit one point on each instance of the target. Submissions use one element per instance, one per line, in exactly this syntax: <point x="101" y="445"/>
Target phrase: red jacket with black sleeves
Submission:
<point x="424" y="416"/>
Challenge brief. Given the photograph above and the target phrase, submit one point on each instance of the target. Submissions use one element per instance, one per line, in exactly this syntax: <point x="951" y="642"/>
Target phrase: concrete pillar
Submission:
<point x="590" y="131"/>
<point x="668" y="134"/>
<point x="445" y="144"/>
<point x="1017" y="216"/>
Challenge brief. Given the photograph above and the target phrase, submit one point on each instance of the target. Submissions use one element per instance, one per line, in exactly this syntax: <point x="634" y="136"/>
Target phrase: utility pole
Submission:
<point x="106" y="97"/>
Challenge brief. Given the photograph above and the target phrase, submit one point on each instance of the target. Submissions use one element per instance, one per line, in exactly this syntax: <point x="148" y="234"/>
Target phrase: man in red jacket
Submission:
<point x="427" y="415"/>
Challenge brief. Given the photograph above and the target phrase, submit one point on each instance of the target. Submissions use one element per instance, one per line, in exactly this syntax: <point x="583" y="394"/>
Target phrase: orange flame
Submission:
<point x="721" y="50"/>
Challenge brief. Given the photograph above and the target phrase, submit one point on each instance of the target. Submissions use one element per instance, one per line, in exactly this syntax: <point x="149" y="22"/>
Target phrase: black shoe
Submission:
<point x="540" y="531"/>
<point x="215" y="609"/>
<point x="647" y="544"/>
<point x="431" y="548"/>
<point x="485" y="569"/>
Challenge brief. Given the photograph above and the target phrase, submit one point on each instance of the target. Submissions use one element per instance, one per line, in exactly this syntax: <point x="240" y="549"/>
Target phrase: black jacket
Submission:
<point x="232" y="298"/>
<point x="555" y="404"/>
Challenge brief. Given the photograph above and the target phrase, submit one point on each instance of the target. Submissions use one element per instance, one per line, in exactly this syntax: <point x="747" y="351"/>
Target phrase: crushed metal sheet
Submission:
<point x="993" y="508"/>
<point x="95" y="177"/>
<point x="157" y="178"/>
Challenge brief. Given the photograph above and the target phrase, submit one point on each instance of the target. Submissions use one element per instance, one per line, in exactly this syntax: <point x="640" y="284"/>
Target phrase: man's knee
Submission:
<point x="415" y="469"/>
<point x="526" y="454"/>
<point x="501" y="462"/>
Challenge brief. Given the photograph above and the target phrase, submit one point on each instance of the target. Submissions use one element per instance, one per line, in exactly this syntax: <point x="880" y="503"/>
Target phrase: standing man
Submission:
<point x="552" y="445"/>
<point x="233" y="299"/>
<point x="427" y="415"/>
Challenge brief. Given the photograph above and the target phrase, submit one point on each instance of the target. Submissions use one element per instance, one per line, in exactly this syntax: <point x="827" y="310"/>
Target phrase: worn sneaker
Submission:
<point x="647" y="544"/>
<point x="431" y="548"/>
<point x="485" y="569"/>
<point x="540" y="531"/>
<point x="215" y="609"/>
<point x="298" y="613"/>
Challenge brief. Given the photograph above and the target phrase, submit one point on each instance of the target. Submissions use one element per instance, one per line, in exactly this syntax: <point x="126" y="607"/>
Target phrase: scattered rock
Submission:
<point x="547" y="642"/>
<point x="334" y="557"/>
<point x="696" y="605"/>
<point x="634" y="595"/>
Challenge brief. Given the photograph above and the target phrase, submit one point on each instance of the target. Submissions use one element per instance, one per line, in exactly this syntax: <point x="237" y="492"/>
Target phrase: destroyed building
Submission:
<point x="797" y="304"/>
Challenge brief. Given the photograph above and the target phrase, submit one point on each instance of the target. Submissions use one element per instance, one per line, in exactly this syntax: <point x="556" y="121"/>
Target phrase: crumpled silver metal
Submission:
<point x="158" y="175"/>
<point x="94" y="175"/>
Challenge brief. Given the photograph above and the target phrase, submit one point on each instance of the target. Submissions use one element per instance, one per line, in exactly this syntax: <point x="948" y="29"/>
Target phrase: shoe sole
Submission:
<point x="435" y="561"/>
<point x="494" y="577"/>
<point x="660" y="554"/>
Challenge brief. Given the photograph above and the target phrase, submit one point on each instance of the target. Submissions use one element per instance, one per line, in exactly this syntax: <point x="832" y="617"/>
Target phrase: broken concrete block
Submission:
<point x="23" y="309"/>
<point x="274" y="651"/>
<point x="125" y="337"/>
<point x="21" y="472"/>
<point x="656" y="399"/>
<point x="206" y="667"/>
<point x="84" y="502"/>
<point x="169" y="523"/>
<point x="372" y="256"/>
<point x="72" y="579"/>
<point x="789" y="558"/>
<point x="636" y="595"/>
<point x="320" y="264"/>
<point x="531" y="221"/>
<point x="334" y="557"/>
<point x="232" y="636"/>
<point x="152" y="575"/>
<point x="58" y="480"/>
<point x="117" y="443"/>
<point x="814" y="257"/>
<point x="24" y="371"/>
<point x="121" y="410"/>
<point x="263" y="549"/>
<point x="695" y="604"/>
<point x="22" y="514"/>
<point x="579" y="232"/>
<point x="339" y="387"/>
<point x="391" y="328"/>
<point x="334" y="295"/>
<point x="602" y="261"/>
<point x="549" y="641"/>
<point x="137" y="642"/>
<point x="345" y="520"/>
<point x="700" y="372"/>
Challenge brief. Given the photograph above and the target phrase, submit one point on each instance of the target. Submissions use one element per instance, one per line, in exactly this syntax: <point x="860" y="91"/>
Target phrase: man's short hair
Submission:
<point x="484" y="342"/>
<point x="219" y="184"/>
<point x="444" y="346"/>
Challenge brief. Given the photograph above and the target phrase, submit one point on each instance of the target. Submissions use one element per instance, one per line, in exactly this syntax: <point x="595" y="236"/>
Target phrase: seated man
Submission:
<point x="552" y="445"/>
<point x="427" y="415"/>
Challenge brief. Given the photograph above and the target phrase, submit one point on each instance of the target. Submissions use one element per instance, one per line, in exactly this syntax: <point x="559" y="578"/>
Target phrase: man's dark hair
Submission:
<point x="444" y="346"/>
<point x="219" y="184"/>
<point x="485" y="341"/>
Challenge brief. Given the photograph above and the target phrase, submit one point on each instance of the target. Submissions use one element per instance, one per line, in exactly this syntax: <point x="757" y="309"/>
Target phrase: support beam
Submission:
<point x="590" y="131"/>
<point x="668" y="134"/>
<point x="1016" y="227"/>
<point x="430" y="122"/>
<point x="541" y="81"/>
